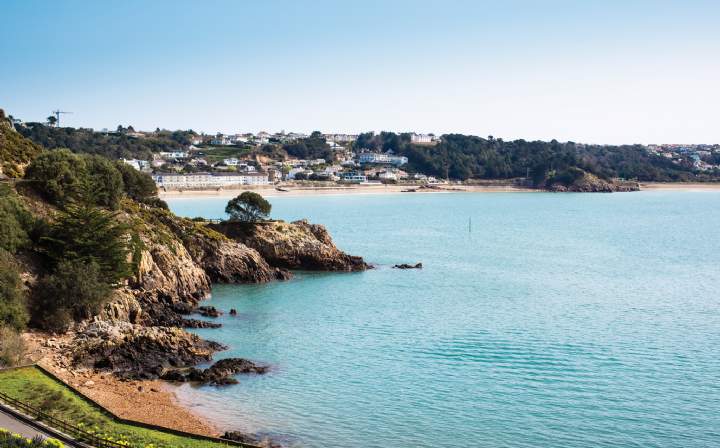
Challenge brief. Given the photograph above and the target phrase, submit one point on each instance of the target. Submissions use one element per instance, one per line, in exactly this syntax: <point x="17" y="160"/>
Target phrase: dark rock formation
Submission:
<point x="135" y="351"/>
<point x="297" y="245"/>
<point x="219" y="374"/>
<point x="251" y="439"/>
<point x="208" y="311"/>
<point x="408" y="266"/>
<point x="589" y="183"/>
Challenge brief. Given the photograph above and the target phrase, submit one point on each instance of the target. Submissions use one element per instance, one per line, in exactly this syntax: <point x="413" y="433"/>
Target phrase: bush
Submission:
<point x="138" y="186"/>
<point x="105" y="182"/>
<point x="62" y="177"/>
<point x="13" y="313"/>
<point x="15" y="221"/>
<point x="88" y="234"/>
<point x="76" y="290"/>
<point x="9" y="440"/>
<point x="12" y="348"/>
<point x="248" y="207"/>
<point x="59" y="176"/>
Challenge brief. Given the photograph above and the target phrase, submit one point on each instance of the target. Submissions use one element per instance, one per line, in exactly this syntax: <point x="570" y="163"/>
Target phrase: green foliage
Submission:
<point x="76" y="290"/>
<point x="13" y="312"/>
<point x="63" y="177"/>
<point x="10" y="440"/>
<point x="15" y="221"/>
<point x="15" y="150"/>
<point x="248" y="207"/>
<point x="59" y="176"/>
<point x="464" y="157"/>
<point x="313" y="147"/>
<point x="116" y="145"/>
<point x="90" y="235"/>
<point x="138" y="186"/>
<point x="12" y="347"/>
<point x="105" y="182"/>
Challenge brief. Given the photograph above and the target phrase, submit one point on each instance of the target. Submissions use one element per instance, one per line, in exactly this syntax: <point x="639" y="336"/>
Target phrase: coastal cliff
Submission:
<point x="296" y="245"/>
<point x="138" y="332"/>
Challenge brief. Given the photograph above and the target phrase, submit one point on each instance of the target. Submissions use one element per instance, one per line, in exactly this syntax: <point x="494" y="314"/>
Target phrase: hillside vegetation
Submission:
<point x="465" y="157"/>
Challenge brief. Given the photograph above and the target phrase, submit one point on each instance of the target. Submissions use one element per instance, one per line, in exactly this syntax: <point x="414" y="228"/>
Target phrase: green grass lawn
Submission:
<point x="219" y="153"/>
<point x="34" y="387"/>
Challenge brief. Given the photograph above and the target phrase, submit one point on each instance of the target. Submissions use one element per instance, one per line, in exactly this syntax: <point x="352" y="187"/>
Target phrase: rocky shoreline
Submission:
<point x="140" y="334"/>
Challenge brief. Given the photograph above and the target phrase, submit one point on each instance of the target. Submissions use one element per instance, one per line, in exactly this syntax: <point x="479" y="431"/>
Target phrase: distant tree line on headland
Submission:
<point x="463" y="157"/>
<point x="116" y="144"/>
<point x="455" y="156"/>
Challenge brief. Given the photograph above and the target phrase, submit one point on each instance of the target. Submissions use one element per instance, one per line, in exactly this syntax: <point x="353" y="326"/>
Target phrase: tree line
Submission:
<point x="463" y="157"/>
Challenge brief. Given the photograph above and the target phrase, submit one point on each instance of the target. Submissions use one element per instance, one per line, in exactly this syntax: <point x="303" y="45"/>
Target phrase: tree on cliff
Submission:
<point x="87" y="234"/>
<point x="248" y="207"/>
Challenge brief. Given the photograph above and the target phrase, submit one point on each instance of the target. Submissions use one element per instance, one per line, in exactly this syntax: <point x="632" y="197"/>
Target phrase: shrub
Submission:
<point x="15" y="221"/>
<point x="12" y="347"/>
<point x="105" y="182"/>
<point x="138" y="186"/>
<point x="59" y="175"/>
<point x="9" y="440"/>
<point x="12" y="298"/>
<point x="76" y="290"/>
<point x="248" y="207"/>
<point x="88" y="234"/>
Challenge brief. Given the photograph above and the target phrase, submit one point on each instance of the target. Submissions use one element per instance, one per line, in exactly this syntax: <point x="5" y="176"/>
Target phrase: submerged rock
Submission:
<point x="219" y="374"/>
<point x="251" y="439"/>
<point x="208" y="311"/>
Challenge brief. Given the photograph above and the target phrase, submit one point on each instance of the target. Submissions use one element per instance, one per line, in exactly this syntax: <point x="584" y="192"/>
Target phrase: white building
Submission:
<point x="174" y="155"/>
<point x="293" y="172"/>
<point x="353" y="177"/>
<point x="231" y="161"/>
<point x="381" y="159"/>
<point x="140" y="165"/>
<point x="421" y="138"/>
<point x="208" y="180"/>
<point x="340" y="138"/>
<point x="221" y="140"/>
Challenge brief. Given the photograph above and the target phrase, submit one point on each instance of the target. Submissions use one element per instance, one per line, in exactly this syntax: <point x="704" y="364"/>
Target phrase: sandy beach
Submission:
<point x="297" y="190"/>
<point x="271" y="191"/>
<point x="680" y="186"/>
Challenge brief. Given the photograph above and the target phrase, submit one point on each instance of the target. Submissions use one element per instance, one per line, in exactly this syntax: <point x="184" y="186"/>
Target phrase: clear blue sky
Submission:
<point x="605" y="71"/>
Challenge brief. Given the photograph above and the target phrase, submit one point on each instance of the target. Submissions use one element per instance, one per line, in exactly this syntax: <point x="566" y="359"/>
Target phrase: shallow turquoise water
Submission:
<point x="573" y="320"/>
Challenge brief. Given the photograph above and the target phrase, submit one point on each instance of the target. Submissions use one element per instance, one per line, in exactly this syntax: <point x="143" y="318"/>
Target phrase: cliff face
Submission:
<point x="297" y="245"/>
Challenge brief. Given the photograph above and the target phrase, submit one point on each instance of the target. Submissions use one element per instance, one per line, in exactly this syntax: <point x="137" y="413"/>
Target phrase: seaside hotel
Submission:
<point x="208" y="180"/>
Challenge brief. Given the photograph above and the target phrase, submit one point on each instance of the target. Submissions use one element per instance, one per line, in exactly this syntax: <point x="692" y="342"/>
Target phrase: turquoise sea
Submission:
<point x="557" y="320"/>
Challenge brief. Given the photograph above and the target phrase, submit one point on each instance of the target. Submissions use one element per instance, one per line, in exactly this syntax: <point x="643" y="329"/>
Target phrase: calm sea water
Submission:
<point x="560" y="320"/>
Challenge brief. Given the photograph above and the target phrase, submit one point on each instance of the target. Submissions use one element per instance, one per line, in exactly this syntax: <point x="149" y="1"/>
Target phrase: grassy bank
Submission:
<point x="35" y="388"/>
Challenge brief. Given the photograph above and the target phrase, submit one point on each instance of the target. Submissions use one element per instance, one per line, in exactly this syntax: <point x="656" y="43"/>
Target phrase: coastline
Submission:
<point x="299" y="191"/>
<point x="146" y="401"/>
<point x="680" y="186"/>
<point x="271" y="191"/>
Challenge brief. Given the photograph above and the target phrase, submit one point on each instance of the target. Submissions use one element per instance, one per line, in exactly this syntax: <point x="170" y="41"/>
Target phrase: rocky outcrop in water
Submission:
<point x="408" y="266"/>
<point x="296" y="245"/>
<point x="251" y="439"/>
<point x="219" y="374"/>
<point x="589" y="183"/>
